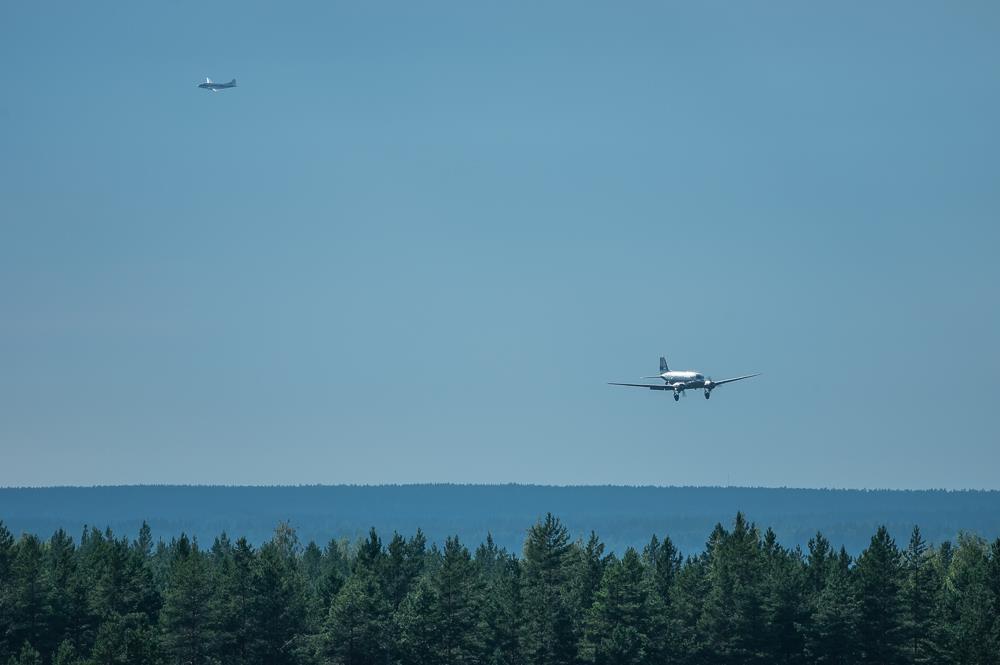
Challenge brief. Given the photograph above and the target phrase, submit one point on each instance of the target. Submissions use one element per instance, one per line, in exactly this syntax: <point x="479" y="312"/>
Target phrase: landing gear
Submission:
<point x="708" y="393"/>
<point x="677" y="396"/>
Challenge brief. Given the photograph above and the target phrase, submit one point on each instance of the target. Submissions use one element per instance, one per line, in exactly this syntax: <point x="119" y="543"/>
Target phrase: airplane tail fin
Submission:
<point x="663" y="365"/>
<point x="233" y="82"/>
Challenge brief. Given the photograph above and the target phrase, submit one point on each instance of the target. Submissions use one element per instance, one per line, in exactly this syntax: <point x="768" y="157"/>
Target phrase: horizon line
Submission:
<point x="483" y="485"/>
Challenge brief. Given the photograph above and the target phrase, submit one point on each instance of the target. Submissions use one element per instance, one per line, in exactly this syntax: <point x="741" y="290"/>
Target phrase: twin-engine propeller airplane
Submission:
<point x="215" y="87"/>
<point x="681" y="381"/>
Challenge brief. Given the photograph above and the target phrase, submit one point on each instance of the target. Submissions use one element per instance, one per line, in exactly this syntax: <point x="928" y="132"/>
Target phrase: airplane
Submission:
<point x="215" y="87"/>
<point x="681" y="381"/>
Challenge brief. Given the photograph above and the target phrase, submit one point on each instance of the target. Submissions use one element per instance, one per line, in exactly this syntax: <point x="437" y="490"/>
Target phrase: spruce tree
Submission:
<point x="186" y="621"/>
<point x="279" y="606"/>
<point x="336" y="568"/>
<point x="27" y="656"/>
<point x="733" y="620"/>
<point x="66" y="597"/>
<point x="620" y="624"/>
<point x="233" y="602"/>
<point x="356" y="628"/>
<point x="456" y="594"/>
<point x="126" y="640"/>
<point x="417" y="627"/>
<point x="819" y="563"/>
<point x="919" y="592"/>
<point x="993" y="586"/>
<point x="880" y="635"/>
<point x="66" y="654"/>
<point x="831" y="634"/>
<point x="663" y="563"/>
<point x="403" y="564"/>
<point x="585" y="580"/>
<point x="6" y="614"/>
<point x="547" y="631"/>
<point x="370" y="556"/>
<point x="686" y="642"/>
<point x="26" y="600"/>
<point x="785" y="606"/>
<point x="500" y="608"/>
<point x="969" y="604"/>
<point x="489" y="558"/>
<point x="311" y="566"/>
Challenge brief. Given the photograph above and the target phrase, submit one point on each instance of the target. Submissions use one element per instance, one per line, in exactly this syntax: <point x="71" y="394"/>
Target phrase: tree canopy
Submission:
<point x="743" y="598"/>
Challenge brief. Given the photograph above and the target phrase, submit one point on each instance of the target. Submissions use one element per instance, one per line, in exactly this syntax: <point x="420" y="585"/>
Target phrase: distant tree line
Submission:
<point x="623" y="516"/>
<point x="744" y="598"/>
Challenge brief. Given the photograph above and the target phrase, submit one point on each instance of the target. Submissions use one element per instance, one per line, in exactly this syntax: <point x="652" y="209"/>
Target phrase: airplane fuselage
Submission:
<point x="217" y="86"/>
<point x="686" y="379"/>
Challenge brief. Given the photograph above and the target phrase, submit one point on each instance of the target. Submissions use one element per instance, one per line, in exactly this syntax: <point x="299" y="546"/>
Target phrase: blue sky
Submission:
<point x="418" y="238"/>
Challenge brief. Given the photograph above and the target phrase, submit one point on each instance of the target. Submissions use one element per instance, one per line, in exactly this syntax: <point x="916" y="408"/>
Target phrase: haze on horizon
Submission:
<point x="417" y="240"/>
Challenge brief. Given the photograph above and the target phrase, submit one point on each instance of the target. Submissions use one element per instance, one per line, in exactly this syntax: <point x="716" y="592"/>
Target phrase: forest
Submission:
<point x="741" y="598"/>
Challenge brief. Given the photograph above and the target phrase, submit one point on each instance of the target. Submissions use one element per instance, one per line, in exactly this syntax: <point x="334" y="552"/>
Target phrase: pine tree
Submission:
<point x="547" y="632"/>
<point x="878" y="572"/>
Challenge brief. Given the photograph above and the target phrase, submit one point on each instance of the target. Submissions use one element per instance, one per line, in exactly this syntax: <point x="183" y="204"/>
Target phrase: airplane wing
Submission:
<point x="738" y="378"/>
<point x="208" y="80"/>
<point x="644" y="385"/>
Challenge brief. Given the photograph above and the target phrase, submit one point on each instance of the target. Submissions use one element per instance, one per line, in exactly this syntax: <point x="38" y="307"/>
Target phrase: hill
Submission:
<point x="622" y="516"/>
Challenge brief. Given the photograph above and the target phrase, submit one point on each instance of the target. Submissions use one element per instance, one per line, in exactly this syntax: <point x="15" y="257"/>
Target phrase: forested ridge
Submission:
<point x="624" y="516"/>
<point x="742" y="598"/>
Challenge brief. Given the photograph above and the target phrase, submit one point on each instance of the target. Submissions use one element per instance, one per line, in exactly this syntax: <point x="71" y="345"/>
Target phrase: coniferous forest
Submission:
<point x="743" y="598"/>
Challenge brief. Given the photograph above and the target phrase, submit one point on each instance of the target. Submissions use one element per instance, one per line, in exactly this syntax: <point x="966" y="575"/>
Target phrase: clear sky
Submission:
<point x="418" y="238"/>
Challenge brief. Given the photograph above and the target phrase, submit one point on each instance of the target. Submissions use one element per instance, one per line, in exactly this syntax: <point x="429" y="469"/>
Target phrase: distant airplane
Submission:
<point x="215" y="87"/>
<point x="681" y="381"/>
